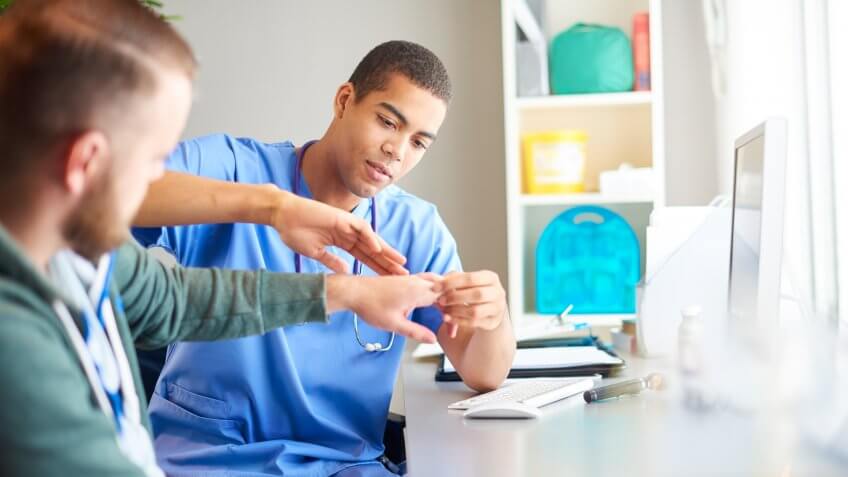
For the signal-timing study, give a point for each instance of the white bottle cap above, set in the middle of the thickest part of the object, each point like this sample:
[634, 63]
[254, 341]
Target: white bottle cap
[691, 311]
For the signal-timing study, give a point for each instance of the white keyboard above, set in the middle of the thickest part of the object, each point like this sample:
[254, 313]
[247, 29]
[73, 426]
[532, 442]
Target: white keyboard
[530, 392]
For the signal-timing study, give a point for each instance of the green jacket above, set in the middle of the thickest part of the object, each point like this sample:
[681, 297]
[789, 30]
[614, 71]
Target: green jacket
[50, 423]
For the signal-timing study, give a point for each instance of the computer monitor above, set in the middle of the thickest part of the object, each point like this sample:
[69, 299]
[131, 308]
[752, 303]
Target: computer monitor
[756, 246]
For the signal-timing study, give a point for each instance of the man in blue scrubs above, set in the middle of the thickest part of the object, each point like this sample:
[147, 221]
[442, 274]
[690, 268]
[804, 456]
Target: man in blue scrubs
[313, 400]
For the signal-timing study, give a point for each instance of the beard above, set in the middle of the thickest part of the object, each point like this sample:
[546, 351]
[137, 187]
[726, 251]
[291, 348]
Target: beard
[95, 227]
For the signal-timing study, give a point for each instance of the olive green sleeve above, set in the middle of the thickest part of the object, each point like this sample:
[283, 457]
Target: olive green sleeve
[164, 304]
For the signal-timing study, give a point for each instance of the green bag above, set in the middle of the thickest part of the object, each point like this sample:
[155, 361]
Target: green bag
[591, 59]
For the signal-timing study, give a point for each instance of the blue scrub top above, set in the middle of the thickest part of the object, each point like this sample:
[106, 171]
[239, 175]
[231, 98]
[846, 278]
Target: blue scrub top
[305, 400]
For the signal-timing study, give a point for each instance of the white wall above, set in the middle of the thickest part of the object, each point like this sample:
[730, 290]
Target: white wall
[838, 19]
[764, 78]
[269, 70]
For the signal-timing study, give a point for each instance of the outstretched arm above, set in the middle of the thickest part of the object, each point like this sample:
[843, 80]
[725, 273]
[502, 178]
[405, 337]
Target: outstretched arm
[308, 227]
[164, 305]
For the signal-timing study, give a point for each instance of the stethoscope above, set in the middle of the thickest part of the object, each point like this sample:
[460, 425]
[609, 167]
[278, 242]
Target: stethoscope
[357, 266]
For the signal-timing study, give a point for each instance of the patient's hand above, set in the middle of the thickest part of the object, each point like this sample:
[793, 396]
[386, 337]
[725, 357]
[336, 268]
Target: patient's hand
[308, 227]
[385, 302]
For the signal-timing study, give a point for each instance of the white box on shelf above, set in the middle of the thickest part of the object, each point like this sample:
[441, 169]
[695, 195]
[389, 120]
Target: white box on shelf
[628, 180]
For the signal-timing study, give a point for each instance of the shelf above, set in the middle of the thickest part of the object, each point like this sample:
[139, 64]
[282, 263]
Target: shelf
[620, 127]
[584, 198]
[560, 101]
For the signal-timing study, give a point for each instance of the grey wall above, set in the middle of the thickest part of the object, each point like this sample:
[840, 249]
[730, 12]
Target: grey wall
[269, 70]
[689, 107]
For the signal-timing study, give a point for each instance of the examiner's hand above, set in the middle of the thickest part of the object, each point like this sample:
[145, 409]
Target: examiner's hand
[473, 300]
[385, 302]
[308, 227]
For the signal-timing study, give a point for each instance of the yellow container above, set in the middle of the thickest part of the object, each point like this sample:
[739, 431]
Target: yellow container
[554, 161]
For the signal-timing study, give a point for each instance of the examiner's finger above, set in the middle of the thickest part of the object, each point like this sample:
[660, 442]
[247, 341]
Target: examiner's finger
[461, 280]
[470, 296]
[471, 312]
[452, 330]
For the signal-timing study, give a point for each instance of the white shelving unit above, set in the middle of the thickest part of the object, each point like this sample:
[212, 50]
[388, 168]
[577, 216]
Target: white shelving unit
[622, 127]
[634, 98]
[584, 198]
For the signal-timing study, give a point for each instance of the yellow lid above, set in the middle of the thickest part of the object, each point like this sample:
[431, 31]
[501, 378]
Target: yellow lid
[560, 135]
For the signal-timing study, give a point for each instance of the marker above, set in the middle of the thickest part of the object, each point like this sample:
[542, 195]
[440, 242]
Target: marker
[632, 386]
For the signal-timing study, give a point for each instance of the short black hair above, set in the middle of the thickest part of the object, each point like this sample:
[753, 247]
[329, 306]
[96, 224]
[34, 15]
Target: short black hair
[416, 63]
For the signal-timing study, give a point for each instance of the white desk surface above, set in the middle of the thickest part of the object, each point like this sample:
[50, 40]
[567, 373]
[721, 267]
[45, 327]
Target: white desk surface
[647, 435]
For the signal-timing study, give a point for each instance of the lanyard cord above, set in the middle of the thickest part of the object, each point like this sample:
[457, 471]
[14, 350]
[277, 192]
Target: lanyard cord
[117, 403]
[84, 357]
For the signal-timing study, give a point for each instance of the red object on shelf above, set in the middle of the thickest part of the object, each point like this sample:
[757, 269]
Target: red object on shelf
[641, 52]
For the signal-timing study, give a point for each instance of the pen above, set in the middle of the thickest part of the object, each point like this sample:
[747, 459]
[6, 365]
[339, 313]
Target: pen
[569, 326]
[631, 386]
[565, 313]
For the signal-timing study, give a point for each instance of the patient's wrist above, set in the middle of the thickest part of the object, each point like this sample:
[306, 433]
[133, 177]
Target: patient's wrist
[342, 291]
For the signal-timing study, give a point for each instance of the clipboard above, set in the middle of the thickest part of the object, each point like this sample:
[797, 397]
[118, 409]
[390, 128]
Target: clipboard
[604, 369]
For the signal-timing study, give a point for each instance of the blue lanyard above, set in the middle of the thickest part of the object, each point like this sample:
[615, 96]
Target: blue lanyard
[298, 170]
[96, 329]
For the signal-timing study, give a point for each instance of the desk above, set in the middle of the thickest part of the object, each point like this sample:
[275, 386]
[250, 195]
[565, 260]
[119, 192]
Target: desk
[650, 434]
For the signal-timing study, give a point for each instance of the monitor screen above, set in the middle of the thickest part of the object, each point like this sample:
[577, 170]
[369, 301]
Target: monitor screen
[746, 228]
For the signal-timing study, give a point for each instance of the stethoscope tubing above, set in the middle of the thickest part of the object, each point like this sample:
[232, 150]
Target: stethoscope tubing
[357, 266]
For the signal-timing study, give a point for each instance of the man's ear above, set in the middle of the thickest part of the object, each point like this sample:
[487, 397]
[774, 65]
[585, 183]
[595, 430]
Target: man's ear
[87, 156]
[345, 96]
